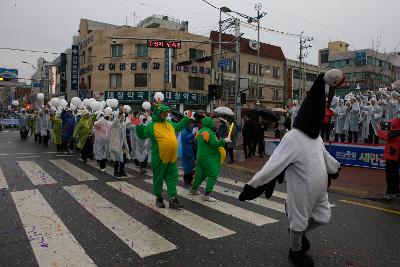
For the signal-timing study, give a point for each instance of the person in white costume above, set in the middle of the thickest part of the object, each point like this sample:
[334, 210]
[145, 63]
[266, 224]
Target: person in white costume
[303, 160]
[102, 129]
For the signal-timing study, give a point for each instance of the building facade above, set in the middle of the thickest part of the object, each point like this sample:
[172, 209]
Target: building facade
[116, 62]
[271, 77]
[296, 81]
[364, 69]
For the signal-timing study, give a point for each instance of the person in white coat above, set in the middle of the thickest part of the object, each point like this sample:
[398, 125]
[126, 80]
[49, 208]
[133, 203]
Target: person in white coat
[43, 125]
[364, 119]
[308, 167]
[374, 117]
[340, 117]
[23, 125]
[293, 111]
[119, 151]
[140, 148]
[352, 120]
[101, 144]
[384, 104]
[393, 106]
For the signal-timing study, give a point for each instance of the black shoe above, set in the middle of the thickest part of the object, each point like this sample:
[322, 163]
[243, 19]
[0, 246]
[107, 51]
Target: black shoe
[117, 174]
[124, 174]
[300, 259]
[305, 244]
[174, 204]
[160, 202]
[84, 160]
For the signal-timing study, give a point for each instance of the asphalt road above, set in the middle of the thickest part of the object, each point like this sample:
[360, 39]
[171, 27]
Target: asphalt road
[57, 211]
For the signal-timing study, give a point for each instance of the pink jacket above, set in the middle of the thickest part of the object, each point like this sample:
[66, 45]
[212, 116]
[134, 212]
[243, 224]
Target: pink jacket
[102, 129]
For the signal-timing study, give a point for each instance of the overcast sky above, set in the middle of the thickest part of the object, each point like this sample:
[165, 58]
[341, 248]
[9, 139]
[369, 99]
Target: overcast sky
[49, 25]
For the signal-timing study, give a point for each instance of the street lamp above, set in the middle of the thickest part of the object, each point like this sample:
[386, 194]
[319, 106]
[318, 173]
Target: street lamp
[24, 62]
[225, 10]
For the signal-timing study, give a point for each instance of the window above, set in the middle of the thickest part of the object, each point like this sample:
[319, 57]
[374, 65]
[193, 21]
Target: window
[195, 53]
[83, 57]
[311, 76]
[173, 81]
[275, 95]
[252, 68]
[89, 82]
[116, 50]
[260, 93]
[115, 80]
[140, 79]
[296, 75]
[276, 72]
[89, 54]
[231, 65]
[142, 50]
[196, 83]
[324, 56]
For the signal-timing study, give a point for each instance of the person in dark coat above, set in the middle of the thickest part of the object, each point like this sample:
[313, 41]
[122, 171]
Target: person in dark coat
[248, 132]
[68, 126]
[259, 138]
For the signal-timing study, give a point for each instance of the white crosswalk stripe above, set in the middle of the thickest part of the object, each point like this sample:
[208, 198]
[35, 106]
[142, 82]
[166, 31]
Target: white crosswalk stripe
[3, 182]
[73, 170]
[51, 241]
[226, 208]
[137, 236]
[35, 173]
[186, 218]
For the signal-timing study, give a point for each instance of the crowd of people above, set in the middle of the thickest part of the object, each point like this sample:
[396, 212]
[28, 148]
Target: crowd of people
[356, 118]
[115, 134]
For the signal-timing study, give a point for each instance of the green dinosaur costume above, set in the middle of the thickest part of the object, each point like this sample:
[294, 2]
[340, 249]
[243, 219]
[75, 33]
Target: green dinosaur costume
[210, 155]
[57, 123]
[83, 130]
[164, 149]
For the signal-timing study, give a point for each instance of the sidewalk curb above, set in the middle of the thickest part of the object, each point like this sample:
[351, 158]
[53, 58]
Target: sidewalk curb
[240, 168]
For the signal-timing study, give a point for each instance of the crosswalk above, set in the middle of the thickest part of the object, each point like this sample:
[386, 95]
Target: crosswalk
[55, 243]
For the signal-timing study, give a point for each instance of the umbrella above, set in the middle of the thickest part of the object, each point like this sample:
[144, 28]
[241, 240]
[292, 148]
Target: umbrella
[176, 116]
[266, 114]
[224, 111]
[279, 110]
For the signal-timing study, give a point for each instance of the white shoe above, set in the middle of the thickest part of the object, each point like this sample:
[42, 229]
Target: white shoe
[208, 198]
[65, 153]
[194, 192]
[104, 170]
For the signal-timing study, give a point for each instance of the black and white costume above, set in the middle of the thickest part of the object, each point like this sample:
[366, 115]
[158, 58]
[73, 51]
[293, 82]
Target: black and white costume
[303, 160]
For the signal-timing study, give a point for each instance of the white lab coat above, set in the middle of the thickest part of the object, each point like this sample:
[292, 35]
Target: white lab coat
[307, 163]
[394, 109]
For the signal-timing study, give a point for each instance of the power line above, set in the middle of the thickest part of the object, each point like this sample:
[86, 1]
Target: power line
[27, 50]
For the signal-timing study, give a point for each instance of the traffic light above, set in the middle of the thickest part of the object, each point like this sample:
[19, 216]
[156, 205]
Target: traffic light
[218, 91]
[243, 98]
[212, 92]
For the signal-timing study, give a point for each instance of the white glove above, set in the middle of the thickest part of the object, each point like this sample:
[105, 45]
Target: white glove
[227, 140]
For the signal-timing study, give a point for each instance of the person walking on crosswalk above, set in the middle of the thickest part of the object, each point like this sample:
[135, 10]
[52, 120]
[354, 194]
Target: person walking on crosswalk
[308, 177]
[83, 132]
[57, 129]
[68, 126]
[209, 158]
[119, 150]
[164, 151]
[101, 140]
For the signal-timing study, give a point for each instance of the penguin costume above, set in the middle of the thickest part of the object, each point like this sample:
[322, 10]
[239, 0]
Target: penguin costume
[302, 159]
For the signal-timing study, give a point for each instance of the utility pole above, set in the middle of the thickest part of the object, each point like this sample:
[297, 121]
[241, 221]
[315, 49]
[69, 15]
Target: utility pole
[304, 46]
[237, 91]
[258, 7]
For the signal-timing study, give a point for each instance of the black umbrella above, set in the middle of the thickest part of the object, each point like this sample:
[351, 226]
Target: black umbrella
[176, 116]
[266, 114]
